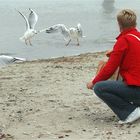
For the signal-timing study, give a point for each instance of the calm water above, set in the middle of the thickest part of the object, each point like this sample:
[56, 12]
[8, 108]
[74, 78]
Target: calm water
[97, 18]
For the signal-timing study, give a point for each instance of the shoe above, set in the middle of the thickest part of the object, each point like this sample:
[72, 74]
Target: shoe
[132, 117]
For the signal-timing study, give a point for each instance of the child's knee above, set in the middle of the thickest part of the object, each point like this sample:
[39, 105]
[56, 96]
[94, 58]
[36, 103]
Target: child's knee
[98, 87]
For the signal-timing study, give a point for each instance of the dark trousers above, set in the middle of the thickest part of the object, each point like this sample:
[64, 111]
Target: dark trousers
[121, 98]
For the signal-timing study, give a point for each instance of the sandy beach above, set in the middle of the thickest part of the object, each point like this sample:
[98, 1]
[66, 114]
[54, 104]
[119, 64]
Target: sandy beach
[48, 100]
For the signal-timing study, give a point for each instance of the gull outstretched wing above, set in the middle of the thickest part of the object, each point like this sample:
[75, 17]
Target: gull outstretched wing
[33, 18]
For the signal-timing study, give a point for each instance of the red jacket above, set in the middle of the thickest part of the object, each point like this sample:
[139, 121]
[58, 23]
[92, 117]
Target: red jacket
[126, 55]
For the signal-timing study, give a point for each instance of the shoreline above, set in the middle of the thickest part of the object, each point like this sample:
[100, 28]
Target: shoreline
[48, 99]
[68, 57]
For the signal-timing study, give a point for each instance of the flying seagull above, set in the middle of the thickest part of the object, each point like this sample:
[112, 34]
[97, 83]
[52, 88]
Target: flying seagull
[30, 25]
[69, 34]
[5, 59]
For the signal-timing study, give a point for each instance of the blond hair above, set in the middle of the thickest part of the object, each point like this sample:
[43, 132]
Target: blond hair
[127, 18]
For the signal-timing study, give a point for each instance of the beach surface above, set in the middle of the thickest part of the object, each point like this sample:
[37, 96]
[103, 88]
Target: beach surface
[48, 100]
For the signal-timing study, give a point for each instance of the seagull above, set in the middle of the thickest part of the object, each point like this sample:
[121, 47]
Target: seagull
[30, 25]
[69, 34]
[5, 59]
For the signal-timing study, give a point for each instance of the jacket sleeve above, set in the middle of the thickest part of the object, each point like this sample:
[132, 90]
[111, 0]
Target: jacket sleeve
[114, 61]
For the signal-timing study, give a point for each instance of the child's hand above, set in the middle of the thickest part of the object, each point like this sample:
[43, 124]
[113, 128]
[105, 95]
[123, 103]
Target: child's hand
[108, 53]
[90, 85]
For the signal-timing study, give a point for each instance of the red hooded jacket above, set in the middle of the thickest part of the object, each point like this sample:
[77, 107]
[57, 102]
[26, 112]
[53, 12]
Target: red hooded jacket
[126, 55]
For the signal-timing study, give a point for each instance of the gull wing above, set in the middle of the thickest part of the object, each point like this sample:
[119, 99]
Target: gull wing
[54, 29]
[65, 31]
[26, 20]
[59, 28]
[33, 17]
[5, 59]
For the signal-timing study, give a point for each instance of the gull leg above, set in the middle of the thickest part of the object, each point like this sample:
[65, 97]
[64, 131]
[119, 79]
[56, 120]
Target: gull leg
[68, 42]
[26, 43]
[30, 42]
[78, 42]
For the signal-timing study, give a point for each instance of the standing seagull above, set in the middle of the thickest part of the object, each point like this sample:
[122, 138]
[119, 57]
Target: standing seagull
[69, 34]
[5, 59]
[30, 25]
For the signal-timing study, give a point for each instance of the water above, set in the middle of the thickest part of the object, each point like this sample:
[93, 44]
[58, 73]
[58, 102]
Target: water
[97, 17]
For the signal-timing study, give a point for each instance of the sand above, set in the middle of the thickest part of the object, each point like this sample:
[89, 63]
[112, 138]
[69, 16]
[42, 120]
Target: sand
[48, 100]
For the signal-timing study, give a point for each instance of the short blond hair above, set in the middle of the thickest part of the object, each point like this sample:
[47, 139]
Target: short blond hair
[127, 18]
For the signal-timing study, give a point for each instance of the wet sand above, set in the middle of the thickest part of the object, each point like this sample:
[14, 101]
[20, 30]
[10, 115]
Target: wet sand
[48, 99]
